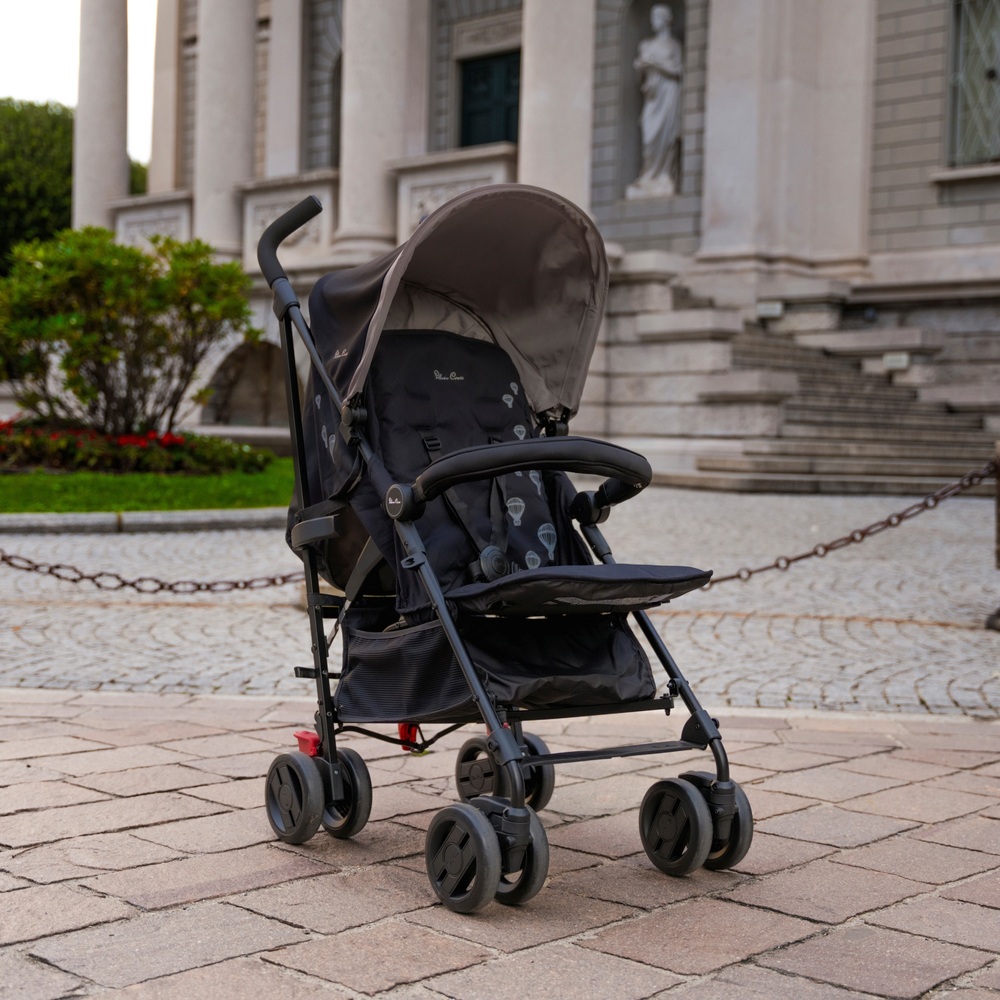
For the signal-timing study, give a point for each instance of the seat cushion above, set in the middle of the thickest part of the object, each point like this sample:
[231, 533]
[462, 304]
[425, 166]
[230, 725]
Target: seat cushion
[566, 590]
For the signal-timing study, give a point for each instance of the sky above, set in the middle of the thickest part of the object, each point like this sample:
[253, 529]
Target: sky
[39, 59]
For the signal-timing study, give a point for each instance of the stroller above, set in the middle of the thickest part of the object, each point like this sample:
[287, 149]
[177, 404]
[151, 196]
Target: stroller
[431, 454]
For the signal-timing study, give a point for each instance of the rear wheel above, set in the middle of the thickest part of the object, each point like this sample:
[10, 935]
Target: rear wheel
[539, 779]
[519, 886]
[675, 826]
[293, 797]
[349, 815]
[477, 773]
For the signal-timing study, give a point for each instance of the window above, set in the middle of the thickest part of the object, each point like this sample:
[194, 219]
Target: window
[975, 134]
[490, 89]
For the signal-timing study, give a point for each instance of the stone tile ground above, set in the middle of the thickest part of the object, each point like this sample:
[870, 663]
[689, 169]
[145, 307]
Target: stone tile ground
[162, 880]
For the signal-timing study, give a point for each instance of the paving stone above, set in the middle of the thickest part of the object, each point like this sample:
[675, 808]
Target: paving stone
[944, 920]
[831, 783]
[117, 759]
[24, 978]
[639, 884]
[159, 944]
[243, 765]
[377, 842]
[30, 795]
[25, 829]
[8, 883]
[783, 758]
[988, 978]
[222, 745]
[876, 960]
[769, 853]
[919, 860]
[609, 837]
[329, 904]
[976, 782]
[83, 856]
[24, 749]
[919, 803]
[890, 765]
[822, 890]
[406, 954]
[145, 780]
[16, 772]
[827, 824]
[556, 972]
[765, 804]
[51, 909]
[551, 915]
[748, 982]
[950, 758]
[984, 891]
[151, 732]
[205, 876]
[242, 793]
[235, 979]
[210, 834]
[599, 797]
[699, 935]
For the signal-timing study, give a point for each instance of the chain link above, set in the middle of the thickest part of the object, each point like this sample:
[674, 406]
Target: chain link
[107, 580]
[858, 535]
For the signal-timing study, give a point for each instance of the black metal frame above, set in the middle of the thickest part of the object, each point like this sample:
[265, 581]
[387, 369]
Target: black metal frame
[503, 724]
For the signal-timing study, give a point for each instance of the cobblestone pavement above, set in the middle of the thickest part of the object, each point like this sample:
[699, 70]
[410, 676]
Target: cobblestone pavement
[892, 624]
[136, 859]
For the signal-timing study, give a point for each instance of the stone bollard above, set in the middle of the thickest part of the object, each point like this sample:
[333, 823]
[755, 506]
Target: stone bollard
[993, 621]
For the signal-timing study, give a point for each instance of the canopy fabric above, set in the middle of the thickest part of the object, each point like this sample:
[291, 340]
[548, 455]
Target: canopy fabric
[517, 264]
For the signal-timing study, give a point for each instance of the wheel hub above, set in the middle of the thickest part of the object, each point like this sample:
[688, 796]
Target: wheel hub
[285, 798]
[453, 859]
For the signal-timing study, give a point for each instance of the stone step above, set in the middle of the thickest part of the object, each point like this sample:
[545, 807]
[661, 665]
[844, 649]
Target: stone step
[815, 364]
[869, 402]
[835, 485]
[874, 341]
[973, 452]
[689, 324]
[856, 385]
[833, 417]
[880, 432]
[847, 466]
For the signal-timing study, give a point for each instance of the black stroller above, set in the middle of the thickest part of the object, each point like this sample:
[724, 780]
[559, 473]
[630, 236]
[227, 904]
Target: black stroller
[431, 453]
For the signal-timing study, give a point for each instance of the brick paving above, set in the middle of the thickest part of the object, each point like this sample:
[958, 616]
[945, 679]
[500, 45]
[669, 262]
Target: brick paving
[158, 876]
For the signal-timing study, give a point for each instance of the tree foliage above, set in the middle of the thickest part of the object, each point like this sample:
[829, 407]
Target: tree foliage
[36, 172]
[100, 335]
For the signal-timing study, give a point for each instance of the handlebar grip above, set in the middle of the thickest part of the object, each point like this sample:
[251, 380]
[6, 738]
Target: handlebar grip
[283, 227]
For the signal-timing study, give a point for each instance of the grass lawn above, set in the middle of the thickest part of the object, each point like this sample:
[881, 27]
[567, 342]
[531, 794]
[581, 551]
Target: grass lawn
[59, 492]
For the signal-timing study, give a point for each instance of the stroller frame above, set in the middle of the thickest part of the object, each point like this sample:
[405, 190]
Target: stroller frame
[700, 819]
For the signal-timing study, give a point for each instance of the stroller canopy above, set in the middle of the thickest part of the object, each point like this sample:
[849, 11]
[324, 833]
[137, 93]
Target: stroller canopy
[510, 263]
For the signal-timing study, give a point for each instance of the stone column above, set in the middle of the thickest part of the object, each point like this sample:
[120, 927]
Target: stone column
[555, 120]
[224, 120]
[283, 126]
[373, 126]
[100, 125]
[162, 176]
[787, 125]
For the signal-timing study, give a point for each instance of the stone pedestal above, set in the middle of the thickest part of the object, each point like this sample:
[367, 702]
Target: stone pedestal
[224, 120]
[100, 125]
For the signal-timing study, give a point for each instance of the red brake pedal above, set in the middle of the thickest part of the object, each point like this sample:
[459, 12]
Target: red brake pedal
[308, 742]
[409, 733]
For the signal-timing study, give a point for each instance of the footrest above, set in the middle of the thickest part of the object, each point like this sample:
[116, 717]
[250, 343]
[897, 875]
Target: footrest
[314, 531]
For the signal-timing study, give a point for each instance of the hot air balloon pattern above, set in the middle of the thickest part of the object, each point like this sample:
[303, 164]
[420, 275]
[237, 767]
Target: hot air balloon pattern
[547, 536]
[513, 388]
[536, 477]
[508, 399]
[520, 432]
[515, 507]
[532, 560]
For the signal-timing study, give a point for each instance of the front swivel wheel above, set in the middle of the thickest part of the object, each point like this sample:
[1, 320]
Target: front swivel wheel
[675, 826]
[347, 816]
[293, 797]
[463, 858]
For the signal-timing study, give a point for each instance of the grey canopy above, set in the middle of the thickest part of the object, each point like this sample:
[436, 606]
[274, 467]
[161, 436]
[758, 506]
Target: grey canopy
[513, 264]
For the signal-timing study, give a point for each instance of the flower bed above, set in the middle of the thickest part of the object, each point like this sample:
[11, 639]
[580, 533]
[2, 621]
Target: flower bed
[24, 446]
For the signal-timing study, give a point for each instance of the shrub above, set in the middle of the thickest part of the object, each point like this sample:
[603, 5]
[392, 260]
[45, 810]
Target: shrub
[24, 446]
[108, 337]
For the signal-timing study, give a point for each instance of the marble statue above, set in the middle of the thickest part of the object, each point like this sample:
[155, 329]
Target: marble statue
[660, 63]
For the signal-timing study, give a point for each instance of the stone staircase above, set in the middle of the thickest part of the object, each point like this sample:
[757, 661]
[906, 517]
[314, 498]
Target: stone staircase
[719, 402]
[839, 430]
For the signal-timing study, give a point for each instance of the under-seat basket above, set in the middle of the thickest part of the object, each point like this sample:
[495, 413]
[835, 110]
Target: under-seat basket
[411, 675]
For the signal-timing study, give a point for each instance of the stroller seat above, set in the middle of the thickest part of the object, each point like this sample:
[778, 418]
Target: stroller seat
[503, 543]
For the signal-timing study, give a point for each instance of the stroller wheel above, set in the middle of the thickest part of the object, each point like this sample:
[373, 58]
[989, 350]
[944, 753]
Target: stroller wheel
[476, 773]
[675, 826]
[732, 851]
[539, 779]
[463, 858]
[347, 817]
[293, 795]
[520, 886]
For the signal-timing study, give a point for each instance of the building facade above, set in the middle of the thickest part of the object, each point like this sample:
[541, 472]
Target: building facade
[824, 174]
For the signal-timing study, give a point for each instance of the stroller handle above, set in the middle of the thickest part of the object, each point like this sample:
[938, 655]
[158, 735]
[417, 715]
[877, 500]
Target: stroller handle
[630, 472]
[283, 227]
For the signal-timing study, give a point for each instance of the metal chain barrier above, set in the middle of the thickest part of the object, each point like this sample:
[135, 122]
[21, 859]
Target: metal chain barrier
[151, 585]
[856, 537]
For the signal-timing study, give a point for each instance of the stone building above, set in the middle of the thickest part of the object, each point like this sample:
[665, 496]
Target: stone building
[800, 198]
